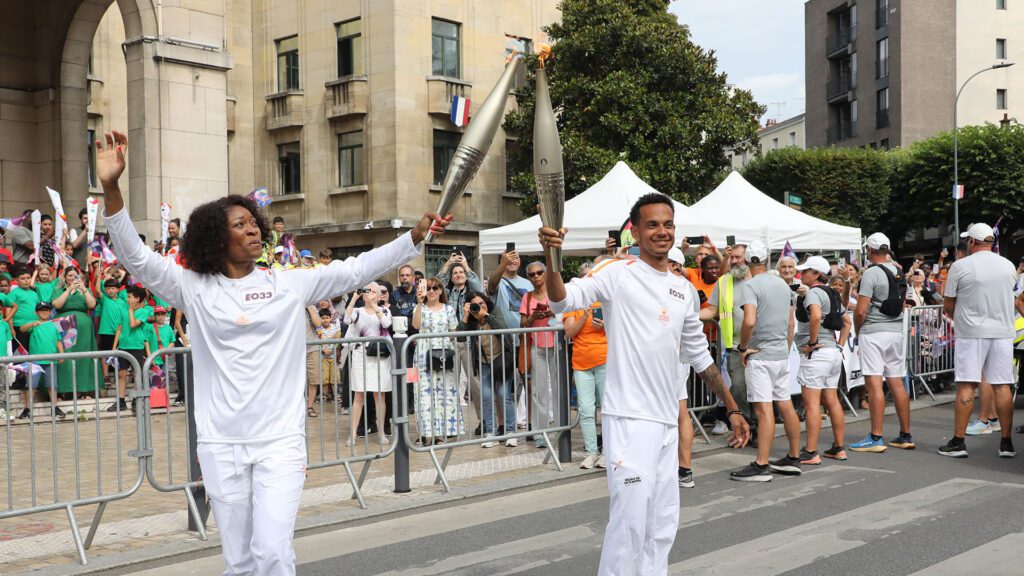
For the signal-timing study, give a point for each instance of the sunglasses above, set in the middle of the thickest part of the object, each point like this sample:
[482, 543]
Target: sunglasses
[535, 274]
[433, 288]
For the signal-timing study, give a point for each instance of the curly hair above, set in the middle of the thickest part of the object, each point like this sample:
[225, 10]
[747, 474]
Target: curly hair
[204, 244]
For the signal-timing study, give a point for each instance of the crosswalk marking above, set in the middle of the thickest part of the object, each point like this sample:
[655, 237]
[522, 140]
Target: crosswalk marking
[801, 545]
[989, 558]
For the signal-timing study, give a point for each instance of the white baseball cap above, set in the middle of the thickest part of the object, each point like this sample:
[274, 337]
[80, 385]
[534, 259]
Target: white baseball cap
[756, 252]
[816, 263]
[279, 250]
[879, 241]
[676, 255]
[979, 232]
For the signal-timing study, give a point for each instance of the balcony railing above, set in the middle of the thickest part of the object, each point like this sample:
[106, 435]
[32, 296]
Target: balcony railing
[882, 118]
[837, 42]
[838, 88]
[843, 131]
[441, 90]
[881, 68]
[347, 96]
[285, 110]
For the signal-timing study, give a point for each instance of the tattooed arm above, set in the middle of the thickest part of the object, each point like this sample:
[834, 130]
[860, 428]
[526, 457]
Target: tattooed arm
[740, 429]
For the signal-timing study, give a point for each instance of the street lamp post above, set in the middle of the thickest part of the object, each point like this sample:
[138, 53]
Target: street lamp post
[956, 173]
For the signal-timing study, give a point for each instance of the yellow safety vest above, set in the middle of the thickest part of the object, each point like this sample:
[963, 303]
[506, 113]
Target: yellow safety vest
[725, 320]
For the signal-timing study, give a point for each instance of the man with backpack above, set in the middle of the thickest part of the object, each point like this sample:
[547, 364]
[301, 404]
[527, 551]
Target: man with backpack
[878, 319]
[819, 315]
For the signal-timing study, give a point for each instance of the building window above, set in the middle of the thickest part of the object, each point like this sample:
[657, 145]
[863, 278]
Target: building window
[351, 163]
[91, 134]
[346, 252]
[882, 58]
[882, 108]
[445, 48]
[792, 138]
[288, 64]
[1001, 99]
[884, 144]
[1000, 4]
[289, 159]
[350, 48]
[1000, 48]
[775, 143]
[445, 144]
[523, 46]
[881, 13]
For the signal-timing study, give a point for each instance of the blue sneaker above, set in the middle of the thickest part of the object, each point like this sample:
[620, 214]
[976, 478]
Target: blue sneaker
[977, 428]
[869, 445]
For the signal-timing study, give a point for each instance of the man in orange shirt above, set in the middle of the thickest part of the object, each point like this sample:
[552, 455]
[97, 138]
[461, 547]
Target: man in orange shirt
[589, 353]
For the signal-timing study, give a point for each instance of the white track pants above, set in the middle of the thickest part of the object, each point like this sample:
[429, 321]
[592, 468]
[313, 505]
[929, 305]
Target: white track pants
[643, 488]
[255, 490]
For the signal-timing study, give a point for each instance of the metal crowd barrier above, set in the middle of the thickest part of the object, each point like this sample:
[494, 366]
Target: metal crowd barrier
[701, 398]
[930, 344]
[62, 438]
[443, 420]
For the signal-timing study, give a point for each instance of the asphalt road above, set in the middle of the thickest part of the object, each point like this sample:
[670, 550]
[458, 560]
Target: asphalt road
[896, 513]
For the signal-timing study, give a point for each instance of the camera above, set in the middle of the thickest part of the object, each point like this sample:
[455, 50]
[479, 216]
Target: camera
[363, 291]
[474, 308]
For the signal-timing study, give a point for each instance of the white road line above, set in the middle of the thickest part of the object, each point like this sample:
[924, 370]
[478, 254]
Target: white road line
[801, 545]
[519, 547]
[992, 558]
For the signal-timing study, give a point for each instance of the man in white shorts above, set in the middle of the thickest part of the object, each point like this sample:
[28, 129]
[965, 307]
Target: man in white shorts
[765, 340]
[821, 359]
[882, 347]
[979, 297]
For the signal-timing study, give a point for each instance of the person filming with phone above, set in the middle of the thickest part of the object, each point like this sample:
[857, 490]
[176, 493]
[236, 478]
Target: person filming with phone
[534, 312]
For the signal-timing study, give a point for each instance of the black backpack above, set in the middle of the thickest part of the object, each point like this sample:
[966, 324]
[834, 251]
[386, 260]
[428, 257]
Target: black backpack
[831, 321]
[892, 306]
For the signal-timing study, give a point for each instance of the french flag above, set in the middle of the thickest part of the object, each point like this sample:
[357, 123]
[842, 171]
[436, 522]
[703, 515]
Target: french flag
[460, 111]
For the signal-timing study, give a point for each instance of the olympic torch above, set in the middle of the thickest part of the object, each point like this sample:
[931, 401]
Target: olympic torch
[547, 160]
[476, 140]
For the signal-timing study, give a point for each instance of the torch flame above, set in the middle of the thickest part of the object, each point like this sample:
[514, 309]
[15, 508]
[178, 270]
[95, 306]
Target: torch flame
[543, 53]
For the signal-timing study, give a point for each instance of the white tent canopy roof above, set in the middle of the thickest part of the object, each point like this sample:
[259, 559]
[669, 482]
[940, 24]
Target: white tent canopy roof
[737, 208]
[589, 216]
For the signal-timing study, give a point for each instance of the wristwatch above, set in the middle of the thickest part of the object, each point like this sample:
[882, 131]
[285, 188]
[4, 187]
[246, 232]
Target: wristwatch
[741, 349]
[815, 343]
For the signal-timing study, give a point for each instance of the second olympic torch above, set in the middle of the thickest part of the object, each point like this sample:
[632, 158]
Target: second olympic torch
[476, 140]
[547, 162]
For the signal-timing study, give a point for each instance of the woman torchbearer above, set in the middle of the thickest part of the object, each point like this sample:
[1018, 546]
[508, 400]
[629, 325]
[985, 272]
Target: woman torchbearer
[248, 347]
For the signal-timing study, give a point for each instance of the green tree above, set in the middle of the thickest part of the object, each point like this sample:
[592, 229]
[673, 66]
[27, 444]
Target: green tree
[991, 167]
[849, 186]
[628, 84]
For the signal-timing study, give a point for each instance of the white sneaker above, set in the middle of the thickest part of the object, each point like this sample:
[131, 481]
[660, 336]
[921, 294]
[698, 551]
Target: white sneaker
[384, 440]
[511, 443]
[977, 428]
[995, 425]
[589, 461]
[600, 462]
[720, 428]
[489, 443]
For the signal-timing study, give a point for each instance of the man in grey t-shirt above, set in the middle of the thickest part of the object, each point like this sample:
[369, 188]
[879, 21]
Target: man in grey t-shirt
[979, 297]
[765, 339]
[882, 347]
[22, 246]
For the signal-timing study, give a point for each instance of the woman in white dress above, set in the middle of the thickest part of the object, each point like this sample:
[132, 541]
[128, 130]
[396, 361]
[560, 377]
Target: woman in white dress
[438, 414]
[246, 326]
[369, 363]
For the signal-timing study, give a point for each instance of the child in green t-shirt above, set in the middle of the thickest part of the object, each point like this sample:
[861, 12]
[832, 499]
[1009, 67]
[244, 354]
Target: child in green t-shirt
[22, 300]
[110, 309]
[44, 282]
[162, 335]
[44, 338]
[131, 337]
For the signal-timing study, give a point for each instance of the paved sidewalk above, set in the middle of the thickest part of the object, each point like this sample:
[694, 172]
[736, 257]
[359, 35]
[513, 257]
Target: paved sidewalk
[150, 526]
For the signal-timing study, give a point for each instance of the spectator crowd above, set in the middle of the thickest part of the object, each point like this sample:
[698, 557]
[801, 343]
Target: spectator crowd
[785, 335]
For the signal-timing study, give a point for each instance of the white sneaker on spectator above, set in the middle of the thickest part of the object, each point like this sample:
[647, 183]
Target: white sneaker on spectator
[384, 440]
[977, 428]
[995, 425]
[600, 462]
[589, 461]
[720, 428]
[489, 443]
[511, 443]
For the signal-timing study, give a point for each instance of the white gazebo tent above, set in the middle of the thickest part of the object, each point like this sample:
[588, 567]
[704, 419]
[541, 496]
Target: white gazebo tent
[589, 216]
[737, 208]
